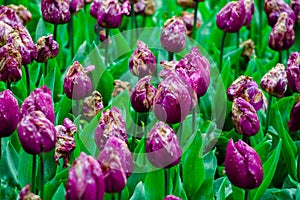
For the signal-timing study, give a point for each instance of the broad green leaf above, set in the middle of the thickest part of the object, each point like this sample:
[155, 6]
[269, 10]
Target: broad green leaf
[25, 169]
[155, 181]
[263, 149]
[220, 190]
[52, 185]
[139, 192]
[238, 193]
[60, 193]
[62, 108]
[122, 102]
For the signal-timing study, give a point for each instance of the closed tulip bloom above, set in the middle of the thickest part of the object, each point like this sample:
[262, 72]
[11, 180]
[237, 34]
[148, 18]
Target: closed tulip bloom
[282, 36]
[186, 3]
[77, 84]
[244, 117]
[294, 124]
[9, 113]
[172, 197]
[274, 8]
[39, 100]
[188, 20]
[36, 133]
[10, 64]
[56, 11]
[231, 17]
[25, 194]
[9, 16]
[22, 12]
[85, 181]
[111, 124]
[47, 48]
[295, 5]
[293, 71]
[92, 105]
[142, 61]
[76, 5]
[275, 81]
[249, 8]
[173, 36]
[162, 146]
[243, 166]
[144, 7]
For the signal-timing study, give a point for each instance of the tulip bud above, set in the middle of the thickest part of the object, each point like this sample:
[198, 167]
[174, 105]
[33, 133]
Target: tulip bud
[162, 146]
[9, 113]
[282, 36]
[275, 81]
[172, 197]
[195, 69]
[39, 100]
[186, 3]
[9, 16]
[274, 8]
[76, 5]
[92, 105]
[249, 10]
[244, 117]
[295, 5]
[36, 133]
[77, 84]
[65, 142]
[10, 64]
[173, 36]
[22, 12]
[243, 166]
[56, 11]
[111, 124]
[142, 61]
[188, 20]
[142, 95]
[294, 124]
[25, 194]
[86, 181]
[46, 48]
[293, 71]
[144, 7]
[232, 16]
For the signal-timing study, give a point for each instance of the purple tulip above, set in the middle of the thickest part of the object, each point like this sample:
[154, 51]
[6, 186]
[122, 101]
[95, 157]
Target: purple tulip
[195, 69]
[5, 31]
[76, 5]
[282, 36]
[92, 105]
[77, 84]
[9, 16]
[22, 12]
[188, 20]
[186, 3]
[39, 100]
[10, 64]
[143, 95]
[162, 146]
[243, 166]
[142, 61]
[111, 124]
[173, 36]
[172, 197]
[36, 133]
[295, 5]
[244, 117]
[86, 181]
[274, 8]
[249, 9]
[56, 11]
[294, 124]
[293, 71]
[9, 113]
[275, 81]
[144, 7]
[25, 194]
[46, 48]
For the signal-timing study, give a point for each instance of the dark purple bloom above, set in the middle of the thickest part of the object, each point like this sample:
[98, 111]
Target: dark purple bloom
[46, 48]
[172, 197]
[56, 11]
[76, 5]
[249, 9]
[282, 36]
[86, 181]
[188, 19]
[5, 30]
[275, 81]
[9, 113]
[293, 71]
[36, 133]
[295, 5]
[25, 194]
[10, 64]
[294, 124]
[243, 166]
[142, 61]
[144, 7]
[173, 36]
[77, 84]
[92, 105]
[162, 146]
[186, 3]
[39, 100]
[9, 16]
[22, 12]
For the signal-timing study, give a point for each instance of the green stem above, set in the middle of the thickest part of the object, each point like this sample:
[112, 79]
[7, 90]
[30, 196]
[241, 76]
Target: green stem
[46, 69]
[247, 194]
[42, 176]
[27, 79]
[260, 2]
[0, 147]
[170, 56]
[119, 195]
[71, 36]
[55, 32]
[77, 109]
[268, 114]
[222, 50]
[280, 57]
[237, 46]
[167, 183]
[8, 85]
[106, 46]
[33, 173]
[132, 15]
[193, 119]
[246, 139]
[195, 20]
[133, 141]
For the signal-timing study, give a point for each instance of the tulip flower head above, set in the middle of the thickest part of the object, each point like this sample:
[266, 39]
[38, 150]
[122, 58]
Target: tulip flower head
[293, 71]
[92, 105]
[188, 20]
[46, 48]
[294, 124]
[295, 5]
[25, 194]
[172, 197]
[56, 11]
[144, 7]
[22, 12]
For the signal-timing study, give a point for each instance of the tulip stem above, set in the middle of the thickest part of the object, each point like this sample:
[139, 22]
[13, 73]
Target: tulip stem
[42, 176]
[237, 62]
[0, 147]
[280, 57]
[260, 22]
[27, 79]
[133, 141]
[167, 177]
[247, 195]
[195, 20]
[8, 85]
[106, 46]
[33, 173]
[46, 69]
[222, 50]
[55, 32]
[71, 36]
[170, 56]
[193, 120]
[268, 114]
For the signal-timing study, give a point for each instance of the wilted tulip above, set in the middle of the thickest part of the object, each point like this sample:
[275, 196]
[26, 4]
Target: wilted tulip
[111, 124]
[173, 36]
[76, 5]
[9, 113]
[243, 166]
[274, 8]
[295, 5]
[5, 31]
[162, 146]
[9, 16]
[142, 61]
[282, 36]
[36, 133]
[120, 86]
[86, 181]
[195, 69]
[293, 71]
[244, 117]
[188, 19]
[39, 100]
[56, 11]
[142, 95]
[144, 7]
[275, 81]
[92, 105]
[65, 141]
[10, 64]
[25, 194]
[249, 10]
[77, 84]
[186, 3]
[22, 12]
[46, 48]
[232, 16]
[172, 197]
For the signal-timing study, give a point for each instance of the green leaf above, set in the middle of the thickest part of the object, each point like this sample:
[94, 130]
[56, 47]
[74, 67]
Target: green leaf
[238, 193]
[52, 186]
[60, 193]
[263, 149]
[139, 192]
[62, 108]
[220, 189]
[25, 170]
[155, 181]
